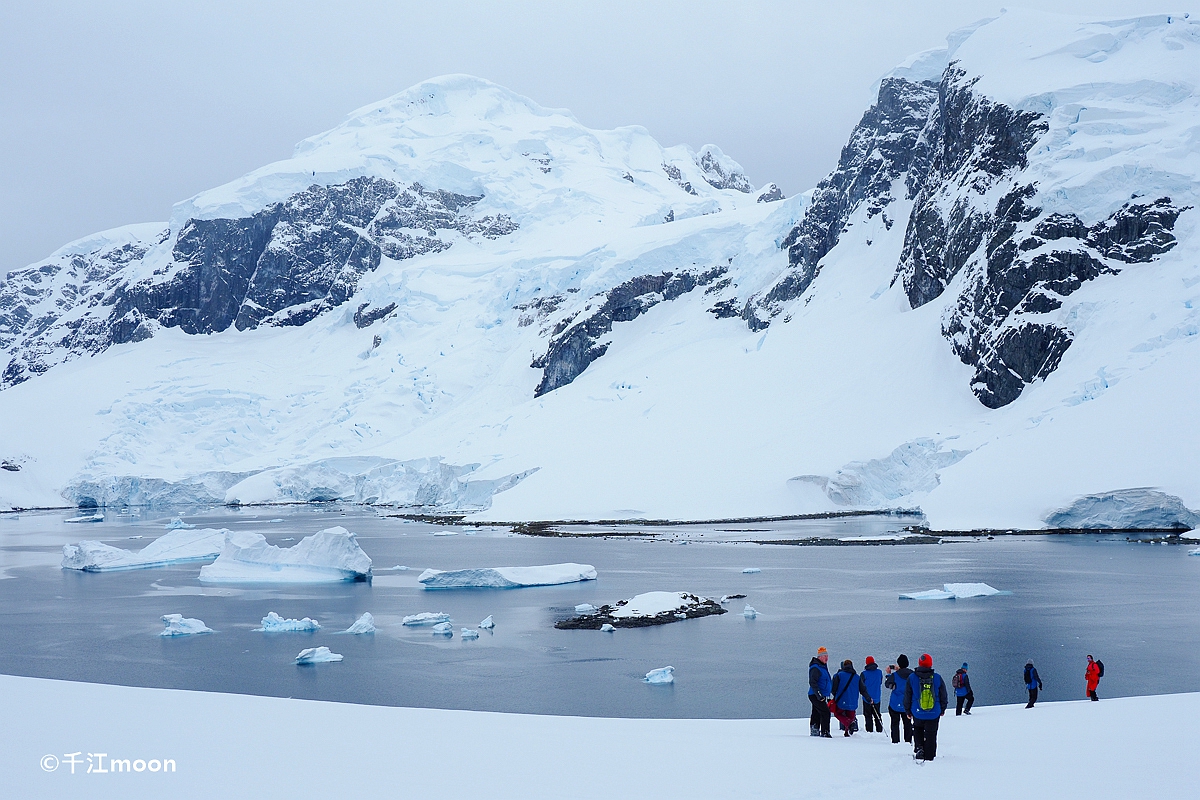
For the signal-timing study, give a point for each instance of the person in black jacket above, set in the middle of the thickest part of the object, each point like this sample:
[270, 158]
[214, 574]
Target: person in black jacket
[1032, 682]
[962, 691]
[897, 680]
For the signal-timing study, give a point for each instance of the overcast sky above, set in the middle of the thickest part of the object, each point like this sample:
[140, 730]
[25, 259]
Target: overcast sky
[111, 112]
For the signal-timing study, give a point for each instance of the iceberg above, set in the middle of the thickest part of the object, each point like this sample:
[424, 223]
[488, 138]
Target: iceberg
[443, 629]
[607, 628]
[650, 608]
[750, 570]
[273, 623]
[586, 608]
[951, 591]
[1126, 509]
[177, 524]
[749, 613]
[487, 624]
[364, 624]
[1195, 552]
[179, 625]
[660, 676]
[317, 655]
[175, 547]
[329, 556]
[468, 634]
[428, 618]
[507, 577]
[86, 518]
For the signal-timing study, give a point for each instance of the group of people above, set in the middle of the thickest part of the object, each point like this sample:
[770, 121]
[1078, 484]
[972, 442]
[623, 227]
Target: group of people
[917, 702]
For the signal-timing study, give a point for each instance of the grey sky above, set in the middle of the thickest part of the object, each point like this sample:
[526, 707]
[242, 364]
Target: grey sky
[112, 112]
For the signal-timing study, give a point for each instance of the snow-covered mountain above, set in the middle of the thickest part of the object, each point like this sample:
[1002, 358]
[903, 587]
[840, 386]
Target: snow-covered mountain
[460, 299]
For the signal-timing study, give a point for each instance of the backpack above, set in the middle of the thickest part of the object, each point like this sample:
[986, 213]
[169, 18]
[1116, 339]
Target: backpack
[926, 702]
[956, 681]
[1100, 664]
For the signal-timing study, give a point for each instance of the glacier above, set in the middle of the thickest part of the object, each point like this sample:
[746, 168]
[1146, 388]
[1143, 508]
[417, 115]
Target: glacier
[1126, 509]
[329, 556]
[507, 577]
[176, 547]
[458, 300]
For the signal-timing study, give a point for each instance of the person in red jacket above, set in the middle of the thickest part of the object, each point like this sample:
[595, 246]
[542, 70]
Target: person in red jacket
[1093, 678]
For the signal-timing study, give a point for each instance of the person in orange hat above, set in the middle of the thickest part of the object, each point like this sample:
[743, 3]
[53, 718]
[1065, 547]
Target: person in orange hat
[820, 692]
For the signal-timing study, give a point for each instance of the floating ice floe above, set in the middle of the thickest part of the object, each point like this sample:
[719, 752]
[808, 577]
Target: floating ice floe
[273, 623]
[750, 570]
[749, 613]
[427, 618]
[397, 568]
[330, 556]
[1195, 552]
[660, 676]
[317, 655]
[586, 608]
[507, 577]
[607, 628]
[86, 518]
[951, 591]
[443, 629]
[175, 547]
[179, 625]
[650, 608]
[274, 521]
[725, 598]
[468, 634]
[487, 624]
[177, 524]
[364, 624]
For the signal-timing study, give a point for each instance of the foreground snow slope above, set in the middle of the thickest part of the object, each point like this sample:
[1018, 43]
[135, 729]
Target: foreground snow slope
[231, 746]
[460, 300]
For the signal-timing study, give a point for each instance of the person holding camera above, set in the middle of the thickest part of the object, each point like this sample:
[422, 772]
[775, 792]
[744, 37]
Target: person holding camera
[896, 680]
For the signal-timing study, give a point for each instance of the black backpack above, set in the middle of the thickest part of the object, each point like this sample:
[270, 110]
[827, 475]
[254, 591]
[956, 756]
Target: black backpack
[1100, 664]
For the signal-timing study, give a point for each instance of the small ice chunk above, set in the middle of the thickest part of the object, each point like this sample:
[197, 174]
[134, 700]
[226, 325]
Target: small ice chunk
[750, 570]
[179, 625]
[364, 624]
[468, 634]
[273, 623]
[487, 623]
[932, 594]
[586, 608]
[749, 613]
[680, 615]
[607, 628]
[426, 618]
[507, 577]
[443, 629]
[317, 655]
[177, 524]
[660, 676]
[274, 521]
[397, 568]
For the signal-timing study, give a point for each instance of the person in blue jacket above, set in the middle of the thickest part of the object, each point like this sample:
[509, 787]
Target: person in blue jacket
[962, 692]
[1032, 682]
[871, 685]
[846, 689]
[925, 701]
[820, 690]
[897, 681]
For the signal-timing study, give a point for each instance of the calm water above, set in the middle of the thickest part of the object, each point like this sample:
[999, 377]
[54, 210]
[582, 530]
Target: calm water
[1133, 605]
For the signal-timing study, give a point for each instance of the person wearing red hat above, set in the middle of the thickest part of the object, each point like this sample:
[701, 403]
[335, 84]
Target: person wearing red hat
[871, 684]
[925, 701]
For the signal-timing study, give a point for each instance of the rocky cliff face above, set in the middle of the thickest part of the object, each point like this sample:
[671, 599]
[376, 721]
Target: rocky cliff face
[281, 266]
[962, 159]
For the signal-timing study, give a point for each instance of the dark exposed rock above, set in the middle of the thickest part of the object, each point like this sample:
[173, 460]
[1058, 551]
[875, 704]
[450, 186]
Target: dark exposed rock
[282, 266]
[364, 318]
[11, 466]
[676, 175]
[719, 177]
[770, 194]
[576, 344]
[697, 607]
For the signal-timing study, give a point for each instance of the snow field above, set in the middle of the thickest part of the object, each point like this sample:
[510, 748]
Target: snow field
[1074, 749]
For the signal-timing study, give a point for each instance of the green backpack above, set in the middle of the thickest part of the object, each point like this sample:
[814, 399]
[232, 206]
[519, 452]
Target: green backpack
[926, 702]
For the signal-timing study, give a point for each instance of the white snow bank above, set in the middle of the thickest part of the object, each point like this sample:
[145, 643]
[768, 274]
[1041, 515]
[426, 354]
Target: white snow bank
[507, 577]
[1125, 509]
[660, 676]
[273, 623]
[443, 629]
[749, 612]
[171, 548]
[487, 623]
[586, 608]
[177, 524]
[329, 556]
[910, 468]
[468, 634]
[951, 591]
[651, 604]
[179, 625]
[317, 655]
[364, 624]
[429, 618]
